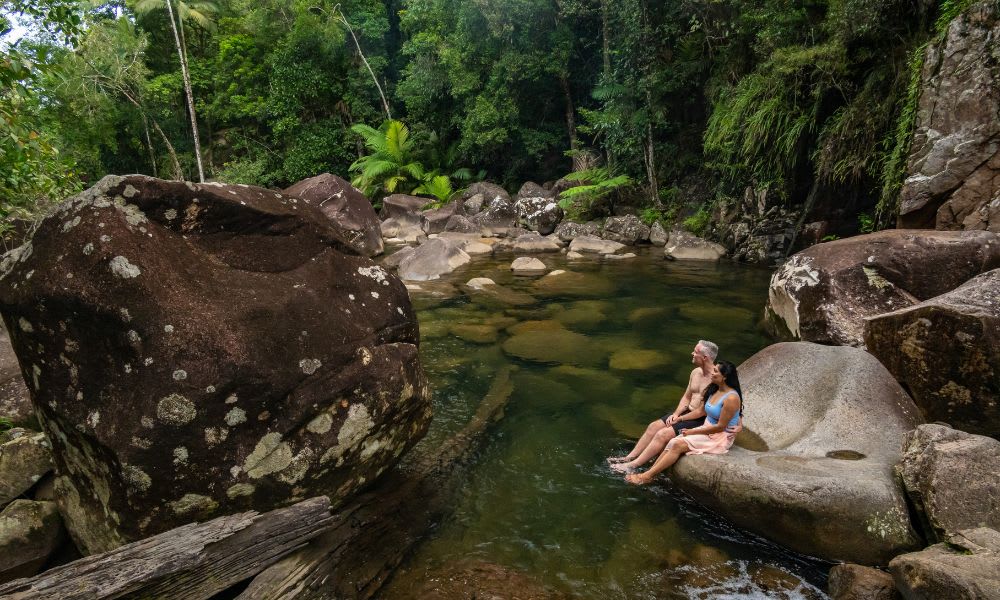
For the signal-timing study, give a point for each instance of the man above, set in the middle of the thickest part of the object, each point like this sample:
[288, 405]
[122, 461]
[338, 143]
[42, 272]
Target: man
[690, 412]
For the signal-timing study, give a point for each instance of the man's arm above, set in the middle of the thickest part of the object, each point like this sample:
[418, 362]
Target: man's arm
[684, 402]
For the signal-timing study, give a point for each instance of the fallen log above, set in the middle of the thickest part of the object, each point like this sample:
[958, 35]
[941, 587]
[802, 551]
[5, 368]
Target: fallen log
[374, 532]
[192, 562]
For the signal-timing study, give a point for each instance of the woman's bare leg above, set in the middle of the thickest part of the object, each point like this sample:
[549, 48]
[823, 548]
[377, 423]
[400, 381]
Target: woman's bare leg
[666, 460]
[660, 440]
[647, 436]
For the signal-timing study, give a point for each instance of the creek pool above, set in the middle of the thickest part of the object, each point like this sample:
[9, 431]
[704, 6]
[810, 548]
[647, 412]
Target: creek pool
[592, 363]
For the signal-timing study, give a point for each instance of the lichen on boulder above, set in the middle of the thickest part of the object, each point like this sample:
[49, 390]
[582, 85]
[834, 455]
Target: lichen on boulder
[199, 349]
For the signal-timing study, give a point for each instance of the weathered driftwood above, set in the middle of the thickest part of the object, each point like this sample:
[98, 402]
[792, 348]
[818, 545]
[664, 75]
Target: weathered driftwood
[373, 532]
[193, 561]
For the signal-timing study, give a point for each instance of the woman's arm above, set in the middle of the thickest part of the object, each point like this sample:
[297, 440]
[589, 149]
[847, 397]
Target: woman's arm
[730, 406]
[694, 414]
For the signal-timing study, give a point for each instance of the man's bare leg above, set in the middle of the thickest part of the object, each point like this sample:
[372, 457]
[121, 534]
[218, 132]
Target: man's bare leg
[666, 460]
[647, 437]
[660, 440]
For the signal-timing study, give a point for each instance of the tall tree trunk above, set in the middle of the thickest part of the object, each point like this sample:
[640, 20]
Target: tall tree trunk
[182, 54]
[385, 103]
[654, 188]
[149, 144]
[178, 172]
[574, 144]
[606, 44]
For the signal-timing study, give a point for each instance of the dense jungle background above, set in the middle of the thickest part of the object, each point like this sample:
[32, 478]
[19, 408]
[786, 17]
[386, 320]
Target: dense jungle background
[679, 107]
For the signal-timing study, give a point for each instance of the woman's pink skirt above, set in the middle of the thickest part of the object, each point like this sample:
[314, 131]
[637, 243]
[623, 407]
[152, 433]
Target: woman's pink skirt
[715, 443]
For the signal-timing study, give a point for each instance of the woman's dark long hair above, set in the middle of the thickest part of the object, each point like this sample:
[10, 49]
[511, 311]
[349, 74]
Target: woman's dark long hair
[728, 371]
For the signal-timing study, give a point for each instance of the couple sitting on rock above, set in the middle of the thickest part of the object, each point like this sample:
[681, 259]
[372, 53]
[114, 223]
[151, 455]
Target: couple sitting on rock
[706, 420]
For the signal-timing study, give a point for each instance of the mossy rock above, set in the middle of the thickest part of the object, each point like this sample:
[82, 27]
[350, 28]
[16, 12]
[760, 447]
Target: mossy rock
[716, 314]
[475, 334]
[529, 326]
[557, 346]
[647, 314]
[625, 424]
[573, 284]
[638, 360]
[662, 398]
[595, 381]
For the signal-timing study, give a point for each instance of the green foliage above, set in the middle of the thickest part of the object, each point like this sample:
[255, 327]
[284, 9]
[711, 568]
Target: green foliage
[438, 186]
[866, 223]
[830, 238]
[391, 166]
[596, 183]
[698, 222]
[5, 424]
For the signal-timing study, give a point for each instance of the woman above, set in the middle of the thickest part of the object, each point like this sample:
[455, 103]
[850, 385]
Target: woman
[723, 420]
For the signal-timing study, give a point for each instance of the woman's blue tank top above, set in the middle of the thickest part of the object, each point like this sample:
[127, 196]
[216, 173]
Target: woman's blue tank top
[714, 411]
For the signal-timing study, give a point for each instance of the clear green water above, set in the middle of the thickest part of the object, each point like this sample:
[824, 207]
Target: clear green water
[540, 498]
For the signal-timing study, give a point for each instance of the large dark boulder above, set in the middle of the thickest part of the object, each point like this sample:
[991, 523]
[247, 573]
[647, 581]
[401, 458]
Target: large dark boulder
[813, 468]
[497, 214]
[965, 567]
[403, 208]
[434, 220]
[203, 349]
[490, 192]
[854, 582]
[530, 189]
[952, 479]
[946, 351]
[628, 230]
[346, 206]
[824, 293]
[955, 153]
[538, 213]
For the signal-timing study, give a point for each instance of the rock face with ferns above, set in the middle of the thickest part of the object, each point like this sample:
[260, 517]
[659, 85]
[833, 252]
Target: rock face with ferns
[194, 350]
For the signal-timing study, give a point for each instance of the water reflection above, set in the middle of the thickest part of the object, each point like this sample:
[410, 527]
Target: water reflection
[599, 353]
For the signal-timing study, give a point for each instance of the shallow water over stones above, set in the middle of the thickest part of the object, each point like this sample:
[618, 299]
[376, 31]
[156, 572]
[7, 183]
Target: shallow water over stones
[601, 350]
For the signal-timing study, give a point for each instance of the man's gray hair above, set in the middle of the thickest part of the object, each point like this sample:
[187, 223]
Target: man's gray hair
[708, 349]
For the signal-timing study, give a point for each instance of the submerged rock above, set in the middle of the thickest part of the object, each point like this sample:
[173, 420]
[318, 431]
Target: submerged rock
[828, 423]
[824, 293]
[467, 580]
[967, 565]
[573, 284]
[556, 346]
[946, 351]
[346, 206]
[260, 358]
[527, 265]
[30, 532]
[951, 479]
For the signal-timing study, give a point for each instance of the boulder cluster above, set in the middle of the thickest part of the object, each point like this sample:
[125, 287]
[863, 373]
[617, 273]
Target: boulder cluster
[878, 430]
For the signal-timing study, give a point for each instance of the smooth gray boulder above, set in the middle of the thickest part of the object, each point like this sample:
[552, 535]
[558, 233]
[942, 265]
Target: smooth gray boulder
[658, 236]
[952, 479]
[946, 351]
[532, 242]
[461, 224]
[473, 204]
[685, 246]
[489, 191]
[403, 207]
[965, 567]
[588, 244]
[435, 220]
[24, 460]
[527, 265]
[30, 532]
[823, 431]
[431, 260]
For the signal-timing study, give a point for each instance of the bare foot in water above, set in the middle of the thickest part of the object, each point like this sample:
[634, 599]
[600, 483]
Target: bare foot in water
[618, 459]
[622, 467]
[638, 478]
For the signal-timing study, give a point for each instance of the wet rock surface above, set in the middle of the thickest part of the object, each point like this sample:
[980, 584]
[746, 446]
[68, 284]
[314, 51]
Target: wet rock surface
[954, 162]
[951, 479]
[30, 532]
[685, 246]
[204, 349]
[946, 351]
[816, 481]
[472, 580]
[346, 206]
[824, 293]
[854, 582]
[967, 565]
